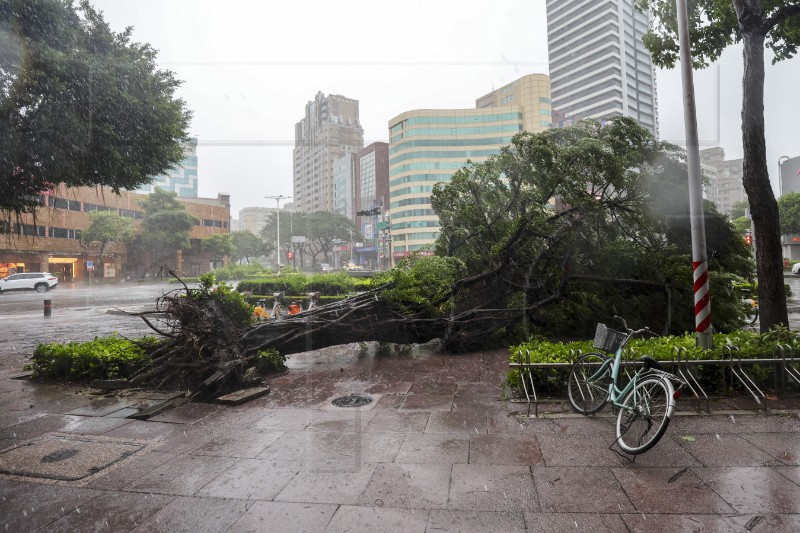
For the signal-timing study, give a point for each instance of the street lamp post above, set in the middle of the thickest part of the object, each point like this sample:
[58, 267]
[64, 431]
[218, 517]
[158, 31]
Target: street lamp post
[278, 199]
[781, 160]
[702, 294]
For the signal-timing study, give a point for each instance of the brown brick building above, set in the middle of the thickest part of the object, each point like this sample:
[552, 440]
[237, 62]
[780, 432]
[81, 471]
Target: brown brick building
[50, 240]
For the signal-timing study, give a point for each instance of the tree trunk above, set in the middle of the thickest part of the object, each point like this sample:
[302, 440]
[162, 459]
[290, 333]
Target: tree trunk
[763, 206]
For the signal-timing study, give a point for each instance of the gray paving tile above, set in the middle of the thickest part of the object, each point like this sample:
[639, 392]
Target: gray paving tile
[251, 479]
[446, 521]
[344, 486]
[493, 488]
[669, 490]
[195, 515]
[552, 522]
[436, 448]
[753, 490]
[408, 486]
[600, 492]
[291, 517]
[348, 519]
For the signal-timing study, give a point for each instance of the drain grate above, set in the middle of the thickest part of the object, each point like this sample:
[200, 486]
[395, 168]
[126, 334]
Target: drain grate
[353, 400]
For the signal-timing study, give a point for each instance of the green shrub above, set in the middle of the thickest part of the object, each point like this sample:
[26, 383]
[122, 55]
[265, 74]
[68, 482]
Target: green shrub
[333, 284]
[750, 345]
[234, 303]
[269, 361]
[232, 271]
[103, 358]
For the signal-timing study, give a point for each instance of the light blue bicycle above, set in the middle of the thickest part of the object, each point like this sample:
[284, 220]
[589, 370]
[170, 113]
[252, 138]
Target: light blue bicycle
[645, 404]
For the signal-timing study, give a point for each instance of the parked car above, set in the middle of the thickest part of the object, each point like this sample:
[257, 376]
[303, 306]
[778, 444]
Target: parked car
[323, 267]
[796, 268]
[39, 281]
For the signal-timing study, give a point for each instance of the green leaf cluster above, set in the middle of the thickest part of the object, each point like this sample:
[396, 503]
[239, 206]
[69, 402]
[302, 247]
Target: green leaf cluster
[421, 285]
[577, 224]
[80, 104]
[269, 361]
[234, 303]
[328, 284]
[102, 358]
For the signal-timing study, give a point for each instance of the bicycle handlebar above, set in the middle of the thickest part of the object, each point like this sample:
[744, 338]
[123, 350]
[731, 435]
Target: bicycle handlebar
[631, 332]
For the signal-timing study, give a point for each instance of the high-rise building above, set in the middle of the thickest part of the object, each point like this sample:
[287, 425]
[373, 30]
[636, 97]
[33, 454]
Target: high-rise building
[329, 130]
[426, 146]
[372, 194]
[344, 185]
[725, 186]
[789, 174]
[599, 67]
[182, 178]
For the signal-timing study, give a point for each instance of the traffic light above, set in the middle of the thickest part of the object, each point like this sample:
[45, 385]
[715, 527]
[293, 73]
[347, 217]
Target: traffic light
[748, 239]
[289, 255]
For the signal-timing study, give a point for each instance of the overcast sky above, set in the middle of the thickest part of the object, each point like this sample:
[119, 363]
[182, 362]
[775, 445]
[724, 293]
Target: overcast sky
[249, 68]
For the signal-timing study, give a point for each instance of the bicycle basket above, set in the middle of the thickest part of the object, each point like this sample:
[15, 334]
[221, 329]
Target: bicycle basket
[607, 339]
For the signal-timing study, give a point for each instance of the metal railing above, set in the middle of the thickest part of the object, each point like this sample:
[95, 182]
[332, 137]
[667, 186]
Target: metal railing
[783, 360]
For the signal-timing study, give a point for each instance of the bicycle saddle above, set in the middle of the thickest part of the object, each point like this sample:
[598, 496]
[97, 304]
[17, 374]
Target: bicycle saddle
[649, 362]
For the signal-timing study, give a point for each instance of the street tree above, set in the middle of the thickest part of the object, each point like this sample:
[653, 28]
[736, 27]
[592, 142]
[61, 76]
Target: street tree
[715, 25]
[561, 230]
[789, 208]
[593, 218]
[80, 104]
[328, 230]
[742, 225]
[739, 209]
[105, 227]
[219, 246]
[247, 244]
[165, 227]
[293, 224]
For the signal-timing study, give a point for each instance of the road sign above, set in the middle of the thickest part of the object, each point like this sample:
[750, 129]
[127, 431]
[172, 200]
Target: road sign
[383, 225]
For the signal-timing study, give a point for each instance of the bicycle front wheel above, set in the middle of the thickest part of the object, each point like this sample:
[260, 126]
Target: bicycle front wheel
[645, 415]
[587, 389]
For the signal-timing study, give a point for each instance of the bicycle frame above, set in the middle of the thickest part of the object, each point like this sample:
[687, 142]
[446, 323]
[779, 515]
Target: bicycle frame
[615, 394]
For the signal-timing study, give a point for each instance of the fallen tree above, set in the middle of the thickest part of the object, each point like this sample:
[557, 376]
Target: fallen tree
[561, 230]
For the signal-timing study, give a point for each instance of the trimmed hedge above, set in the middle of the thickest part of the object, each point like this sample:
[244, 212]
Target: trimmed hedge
[102, 358]
[337, 284]
[751, 345]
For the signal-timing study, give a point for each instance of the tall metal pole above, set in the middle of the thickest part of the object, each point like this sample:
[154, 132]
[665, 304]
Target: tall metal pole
[278, 199]
[702, 295]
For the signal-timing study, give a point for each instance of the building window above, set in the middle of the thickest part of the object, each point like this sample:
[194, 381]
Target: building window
[130, 213]
[63, 233]
[29, 230]
[63, 203]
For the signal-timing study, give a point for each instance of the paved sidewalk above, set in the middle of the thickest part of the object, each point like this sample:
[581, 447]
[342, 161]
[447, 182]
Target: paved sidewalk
[438, 449]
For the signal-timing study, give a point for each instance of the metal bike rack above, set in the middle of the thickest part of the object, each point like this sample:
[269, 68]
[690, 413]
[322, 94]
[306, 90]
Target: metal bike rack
[788, 367]
[680, 354]
[526, 370]
[783, 358]
[742, 376]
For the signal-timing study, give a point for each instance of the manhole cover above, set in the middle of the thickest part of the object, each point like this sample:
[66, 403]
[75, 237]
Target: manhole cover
[64, 458]
[353, 400]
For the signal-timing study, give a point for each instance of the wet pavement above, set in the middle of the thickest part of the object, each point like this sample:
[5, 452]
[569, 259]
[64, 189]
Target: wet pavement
[437, 449]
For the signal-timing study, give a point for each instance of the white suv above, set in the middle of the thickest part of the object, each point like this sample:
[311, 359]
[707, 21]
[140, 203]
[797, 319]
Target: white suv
[40, 281]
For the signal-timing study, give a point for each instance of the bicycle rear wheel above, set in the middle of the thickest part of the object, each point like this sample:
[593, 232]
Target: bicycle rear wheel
[645, 415]
[589, 393]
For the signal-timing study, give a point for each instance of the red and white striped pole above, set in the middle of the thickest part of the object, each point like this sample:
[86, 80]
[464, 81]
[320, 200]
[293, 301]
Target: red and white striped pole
[702, 295]
[702, 298]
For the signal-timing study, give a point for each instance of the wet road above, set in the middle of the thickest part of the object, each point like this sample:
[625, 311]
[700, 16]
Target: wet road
[79, 313]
